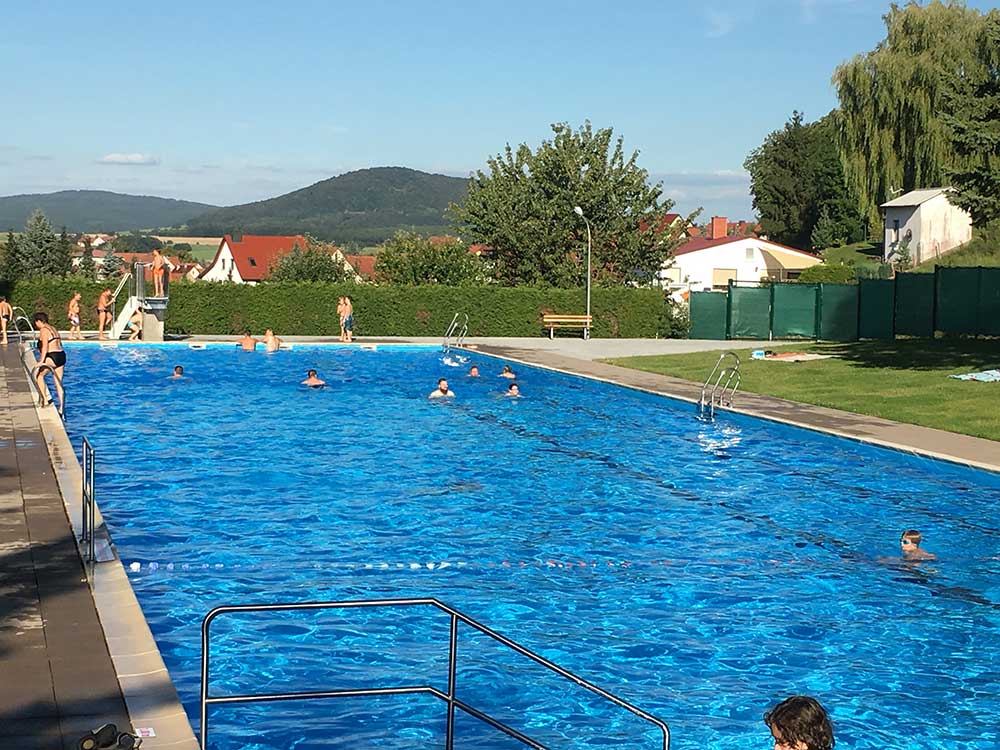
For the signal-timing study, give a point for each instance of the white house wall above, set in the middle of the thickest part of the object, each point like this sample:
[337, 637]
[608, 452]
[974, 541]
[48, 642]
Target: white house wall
[936, 226]
[744, 256]
[224, 268]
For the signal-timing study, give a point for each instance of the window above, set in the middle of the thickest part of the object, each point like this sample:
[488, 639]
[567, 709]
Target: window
[252, 262]
[749, 255]
[895, 231]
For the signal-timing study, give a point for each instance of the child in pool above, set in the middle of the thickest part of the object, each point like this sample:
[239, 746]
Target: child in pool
[800, 723]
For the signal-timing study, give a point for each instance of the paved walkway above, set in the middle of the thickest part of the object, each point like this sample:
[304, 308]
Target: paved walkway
[56, 677]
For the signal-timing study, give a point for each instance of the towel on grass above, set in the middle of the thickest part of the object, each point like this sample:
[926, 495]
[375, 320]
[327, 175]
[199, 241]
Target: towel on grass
[986, 376]
[787, 356]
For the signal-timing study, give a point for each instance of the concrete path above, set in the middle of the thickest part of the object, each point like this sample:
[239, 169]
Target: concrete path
[56, 676]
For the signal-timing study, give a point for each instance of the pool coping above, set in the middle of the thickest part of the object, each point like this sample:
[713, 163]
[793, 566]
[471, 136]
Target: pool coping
[966, 450]
[150, 696]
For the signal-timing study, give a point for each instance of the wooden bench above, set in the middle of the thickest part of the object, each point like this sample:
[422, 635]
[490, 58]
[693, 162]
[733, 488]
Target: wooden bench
[552, 321]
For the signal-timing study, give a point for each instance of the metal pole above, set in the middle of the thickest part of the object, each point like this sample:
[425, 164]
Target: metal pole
[83, 492]
[586, 331]
[90, 501]
[452, 651]
[203, 729]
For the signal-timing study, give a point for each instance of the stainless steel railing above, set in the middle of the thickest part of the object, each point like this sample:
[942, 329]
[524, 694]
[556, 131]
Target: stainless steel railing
[458, 328]
[449, 697]
[88, 513]
[18, 315]
[727, 382]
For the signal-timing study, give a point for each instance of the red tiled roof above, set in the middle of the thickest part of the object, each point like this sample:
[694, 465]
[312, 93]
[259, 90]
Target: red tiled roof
[363, 265]
[254, 254]
[695, 244]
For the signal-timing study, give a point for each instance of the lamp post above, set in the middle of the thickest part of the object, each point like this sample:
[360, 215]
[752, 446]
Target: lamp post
[579, 212]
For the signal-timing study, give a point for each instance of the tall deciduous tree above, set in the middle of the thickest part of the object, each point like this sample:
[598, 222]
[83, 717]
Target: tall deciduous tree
[411, 259]
[974, 124]
[522, 208]
[314, 262]
[890, 130]
[796, 179]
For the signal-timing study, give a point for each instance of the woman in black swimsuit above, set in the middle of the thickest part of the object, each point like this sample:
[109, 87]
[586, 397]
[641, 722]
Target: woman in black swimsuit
[51, 356]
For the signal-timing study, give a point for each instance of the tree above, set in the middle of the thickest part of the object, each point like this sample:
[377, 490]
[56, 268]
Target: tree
[827, 273]
[60, 259]
[315, 262]
[136, 243]
[796, 175]
[974, 124]
[410, 259]
[890, 131]
[87, 268]
[37, 247]
[10, 269]
[827, 232]
[522, 208]
[112, 267]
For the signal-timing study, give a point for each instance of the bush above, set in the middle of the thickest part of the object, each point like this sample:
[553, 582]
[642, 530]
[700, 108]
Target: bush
[311, 308]
[827, 273]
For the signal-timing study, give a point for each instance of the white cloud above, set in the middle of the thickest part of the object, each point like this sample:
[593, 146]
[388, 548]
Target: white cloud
[720, 23]
[129, 160]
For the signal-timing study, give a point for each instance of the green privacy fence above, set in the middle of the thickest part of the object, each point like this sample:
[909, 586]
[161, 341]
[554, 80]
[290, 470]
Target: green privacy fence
[953, 300]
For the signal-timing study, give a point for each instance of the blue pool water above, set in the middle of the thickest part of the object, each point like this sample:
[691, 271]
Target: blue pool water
[701, 571]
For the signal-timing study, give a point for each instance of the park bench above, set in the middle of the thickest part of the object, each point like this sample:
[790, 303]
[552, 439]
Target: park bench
[552, 321]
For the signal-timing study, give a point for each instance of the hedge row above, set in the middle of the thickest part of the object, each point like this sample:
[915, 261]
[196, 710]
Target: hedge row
[311, 309]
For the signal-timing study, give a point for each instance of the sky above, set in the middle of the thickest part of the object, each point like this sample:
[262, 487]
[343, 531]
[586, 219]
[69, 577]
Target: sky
[229, 102]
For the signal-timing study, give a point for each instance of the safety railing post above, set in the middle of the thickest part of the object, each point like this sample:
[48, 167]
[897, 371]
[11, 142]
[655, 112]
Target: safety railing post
[452, 653]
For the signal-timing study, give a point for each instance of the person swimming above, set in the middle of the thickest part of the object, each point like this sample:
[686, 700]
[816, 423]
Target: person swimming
[248, 343]
[506, 372]
[442, 390]
[312, 380]
[513, 391]
[473, 372]
[909, 545]
[178, 373]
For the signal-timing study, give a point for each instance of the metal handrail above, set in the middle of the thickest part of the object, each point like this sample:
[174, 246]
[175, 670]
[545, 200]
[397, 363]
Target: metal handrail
[732, 378]
[459, 326]
[449, 697]
[126, 277]
[87, 495]
[17, 328]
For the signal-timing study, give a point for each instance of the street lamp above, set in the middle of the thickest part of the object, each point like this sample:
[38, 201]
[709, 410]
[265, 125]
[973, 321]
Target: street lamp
[579, 212]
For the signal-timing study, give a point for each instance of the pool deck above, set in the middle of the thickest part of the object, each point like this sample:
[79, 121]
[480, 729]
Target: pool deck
[56, 676]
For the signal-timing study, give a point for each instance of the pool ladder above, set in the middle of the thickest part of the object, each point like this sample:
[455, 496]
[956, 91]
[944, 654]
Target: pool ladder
[448, 697]
[723, 382]
[456, 332]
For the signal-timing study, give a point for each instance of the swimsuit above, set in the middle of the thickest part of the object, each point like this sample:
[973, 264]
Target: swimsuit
[58, 358]
[349, 323]
[74, 319]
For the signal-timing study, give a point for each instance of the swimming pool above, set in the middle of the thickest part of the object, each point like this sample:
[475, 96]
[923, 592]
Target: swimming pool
[702, 571]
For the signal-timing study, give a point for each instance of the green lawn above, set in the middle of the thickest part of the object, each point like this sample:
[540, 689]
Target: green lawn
[905, 380]
[203, 252]
[975, 253]
[852, 255]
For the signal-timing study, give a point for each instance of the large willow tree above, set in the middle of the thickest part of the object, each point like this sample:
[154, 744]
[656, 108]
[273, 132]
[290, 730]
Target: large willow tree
[890, 133]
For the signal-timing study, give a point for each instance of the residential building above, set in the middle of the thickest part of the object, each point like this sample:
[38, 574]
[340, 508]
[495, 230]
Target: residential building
[248, 258]
[926, 222]
[708, 262]
[362, 266]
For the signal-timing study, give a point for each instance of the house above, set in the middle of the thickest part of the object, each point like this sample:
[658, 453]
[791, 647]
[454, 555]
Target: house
[362, 266]
[925, 222]
[248, 258]
[709, 261]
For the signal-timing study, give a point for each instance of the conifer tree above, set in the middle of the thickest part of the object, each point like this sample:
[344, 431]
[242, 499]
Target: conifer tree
[87, 268]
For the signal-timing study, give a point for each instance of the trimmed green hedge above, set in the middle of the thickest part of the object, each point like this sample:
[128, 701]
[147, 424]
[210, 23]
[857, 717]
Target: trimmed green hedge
[311, 309]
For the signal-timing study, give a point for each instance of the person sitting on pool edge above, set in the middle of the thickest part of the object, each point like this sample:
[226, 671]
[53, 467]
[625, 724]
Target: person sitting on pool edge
[312, 381]
[513, 391]
[248, 343]
[135, 325]
[800, 723]
[506, 372]
[178, 373]
[442, 390]
[473, 372]
[909, 544]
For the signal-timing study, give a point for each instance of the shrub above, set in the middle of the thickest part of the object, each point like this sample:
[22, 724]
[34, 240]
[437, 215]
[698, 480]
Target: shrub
[311, 308]
[827, 273]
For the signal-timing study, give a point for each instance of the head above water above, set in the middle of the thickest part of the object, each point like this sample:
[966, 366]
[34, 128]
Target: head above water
[910, 536]
[800, 723]
[40, 317]
[178, 370]
[443, 384]
[311, 373]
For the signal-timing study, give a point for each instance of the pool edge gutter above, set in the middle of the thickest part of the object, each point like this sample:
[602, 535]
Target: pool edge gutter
[148, 690]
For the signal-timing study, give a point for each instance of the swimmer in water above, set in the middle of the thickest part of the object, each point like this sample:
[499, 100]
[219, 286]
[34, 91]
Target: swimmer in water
[513, 391]
[312, 381]
[909, 544]
[800, 723]
[506, 372]
[248, 343]
[442, 390]
[178, 373]
[271, 342]
[473, 372]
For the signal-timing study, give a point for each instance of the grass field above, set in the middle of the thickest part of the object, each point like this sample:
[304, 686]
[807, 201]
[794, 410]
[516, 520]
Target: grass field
[906, 380]
[204, 252]
[852, 255]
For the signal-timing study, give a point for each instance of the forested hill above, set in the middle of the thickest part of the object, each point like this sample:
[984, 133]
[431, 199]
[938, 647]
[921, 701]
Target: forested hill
[97, 210]
[366, 206]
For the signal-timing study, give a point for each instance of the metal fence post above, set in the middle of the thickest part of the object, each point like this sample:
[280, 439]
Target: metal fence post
[452, 651]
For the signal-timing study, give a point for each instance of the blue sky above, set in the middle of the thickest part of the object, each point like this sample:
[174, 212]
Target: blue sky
[227, 102]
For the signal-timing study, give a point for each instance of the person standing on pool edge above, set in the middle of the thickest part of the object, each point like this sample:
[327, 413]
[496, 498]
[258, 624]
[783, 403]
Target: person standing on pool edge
[348, 320]
[103, 313]
[50, 357]
[6, 313]
[800, 723]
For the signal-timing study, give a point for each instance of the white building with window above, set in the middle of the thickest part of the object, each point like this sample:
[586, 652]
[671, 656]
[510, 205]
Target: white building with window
[926, 222]
[247, 259]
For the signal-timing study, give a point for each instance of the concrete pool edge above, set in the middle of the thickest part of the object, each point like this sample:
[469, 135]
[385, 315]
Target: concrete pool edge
[968, 451]
[148, 690]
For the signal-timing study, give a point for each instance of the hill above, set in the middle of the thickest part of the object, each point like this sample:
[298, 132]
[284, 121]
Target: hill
[366, 206]
[98, 210]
